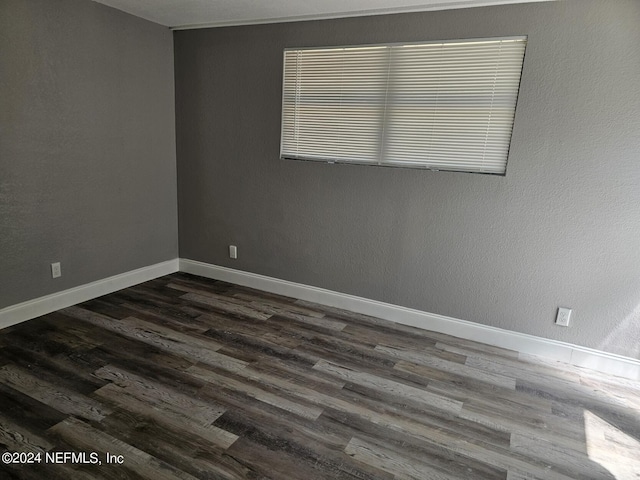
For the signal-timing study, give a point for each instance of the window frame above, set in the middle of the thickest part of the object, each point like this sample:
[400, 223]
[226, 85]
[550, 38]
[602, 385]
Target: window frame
[384, 119]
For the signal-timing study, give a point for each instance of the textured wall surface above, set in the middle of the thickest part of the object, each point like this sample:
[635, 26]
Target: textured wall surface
[87, 145]
[561, 229]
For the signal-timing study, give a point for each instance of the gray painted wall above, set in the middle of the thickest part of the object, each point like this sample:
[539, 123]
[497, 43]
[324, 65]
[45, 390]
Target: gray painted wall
[562, 228]
[87, 145]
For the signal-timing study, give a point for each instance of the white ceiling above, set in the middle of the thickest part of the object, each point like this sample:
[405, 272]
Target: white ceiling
[201, 13]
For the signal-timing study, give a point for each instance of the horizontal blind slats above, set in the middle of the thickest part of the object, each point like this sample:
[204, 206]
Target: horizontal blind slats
[443, 105]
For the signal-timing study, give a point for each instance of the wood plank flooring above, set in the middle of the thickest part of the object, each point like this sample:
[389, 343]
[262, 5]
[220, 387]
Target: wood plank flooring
[184, 377]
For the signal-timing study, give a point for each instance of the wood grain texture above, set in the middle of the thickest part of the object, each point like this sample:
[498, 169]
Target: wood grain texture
[193, 378]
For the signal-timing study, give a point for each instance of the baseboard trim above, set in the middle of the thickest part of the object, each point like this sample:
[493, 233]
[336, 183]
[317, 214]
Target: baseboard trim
[50, 303]
[523, 343]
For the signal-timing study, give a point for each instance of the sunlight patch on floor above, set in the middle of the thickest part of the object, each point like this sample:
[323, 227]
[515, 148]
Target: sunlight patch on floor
[612, 448]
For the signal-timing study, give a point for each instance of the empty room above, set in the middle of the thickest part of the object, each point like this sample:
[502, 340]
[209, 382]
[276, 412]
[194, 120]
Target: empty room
[383, 239]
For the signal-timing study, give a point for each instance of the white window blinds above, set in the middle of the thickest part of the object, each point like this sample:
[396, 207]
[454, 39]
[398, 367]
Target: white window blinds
[444, 106]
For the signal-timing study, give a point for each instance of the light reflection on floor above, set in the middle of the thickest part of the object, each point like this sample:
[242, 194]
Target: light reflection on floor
[609, 446]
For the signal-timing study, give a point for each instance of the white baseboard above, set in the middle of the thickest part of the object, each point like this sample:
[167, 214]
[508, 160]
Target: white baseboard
[528, 344]
[56, 301]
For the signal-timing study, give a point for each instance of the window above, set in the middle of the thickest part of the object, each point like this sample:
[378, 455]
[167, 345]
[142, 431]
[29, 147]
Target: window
[443, 106]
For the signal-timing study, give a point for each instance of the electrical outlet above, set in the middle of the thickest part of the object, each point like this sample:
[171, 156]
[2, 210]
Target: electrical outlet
[56, 270]
[564, 314]
[233, 251]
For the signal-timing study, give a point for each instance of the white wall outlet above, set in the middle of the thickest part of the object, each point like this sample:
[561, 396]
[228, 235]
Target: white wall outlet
[56, 270]
[563, 316]
[233, 251]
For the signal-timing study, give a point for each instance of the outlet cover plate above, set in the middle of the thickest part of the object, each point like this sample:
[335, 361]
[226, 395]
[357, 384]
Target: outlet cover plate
[56, 271]
[563, 317]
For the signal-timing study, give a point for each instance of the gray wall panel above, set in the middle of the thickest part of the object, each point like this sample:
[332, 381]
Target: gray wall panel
[87, 145]
[561, 229]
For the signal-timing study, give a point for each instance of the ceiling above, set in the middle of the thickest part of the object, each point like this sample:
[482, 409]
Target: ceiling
[211, 13]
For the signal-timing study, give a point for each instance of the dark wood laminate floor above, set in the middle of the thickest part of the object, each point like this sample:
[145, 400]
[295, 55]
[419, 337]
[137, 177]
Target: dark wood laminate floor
[190, 378]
